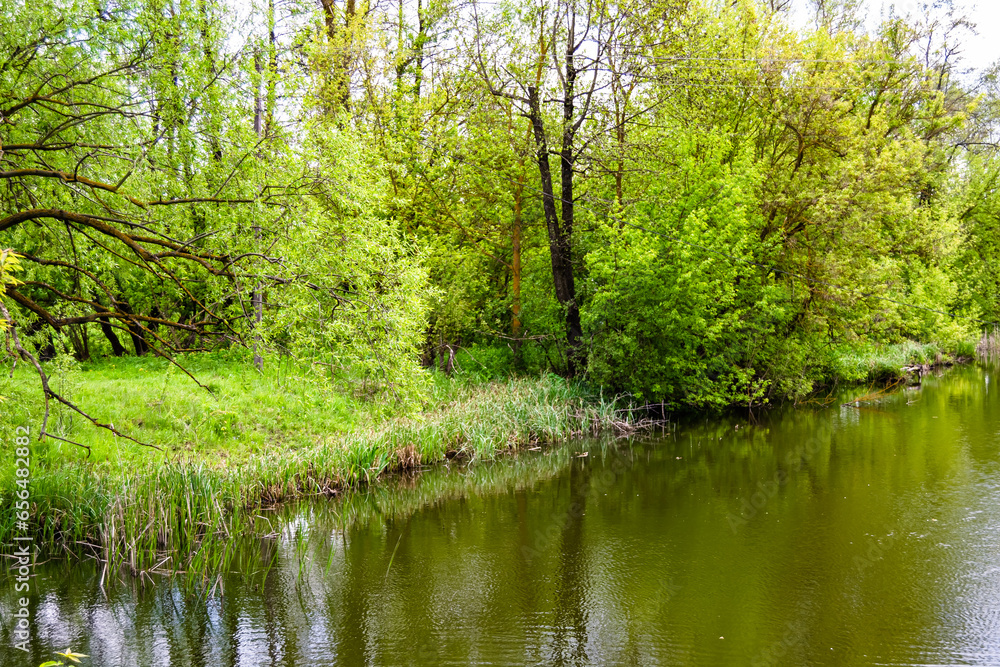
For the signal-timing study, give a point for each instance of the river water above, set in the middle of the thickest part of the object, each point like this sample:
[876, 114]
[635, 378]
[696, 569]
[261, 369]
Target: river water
[820, 535]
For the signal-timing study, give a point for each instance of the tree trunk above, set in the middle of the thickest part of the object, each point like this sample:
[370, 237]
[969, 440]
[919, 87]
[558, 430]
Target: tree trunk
[46, 352]
[117, 348]
[340, 38]
[255, 299]
[263, 126]
[515, 270]
[418, 48]
[139, 343]
[430, 350]
[559, 238]
[574, 330]
[515, 324]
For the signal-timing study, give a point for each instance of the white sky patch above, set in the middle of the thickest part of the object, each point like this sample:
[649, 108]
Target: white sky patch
[979, 51]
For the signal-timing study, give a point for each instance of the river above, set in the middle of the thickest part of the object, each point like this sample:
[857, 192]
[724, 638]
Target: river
[866, 534]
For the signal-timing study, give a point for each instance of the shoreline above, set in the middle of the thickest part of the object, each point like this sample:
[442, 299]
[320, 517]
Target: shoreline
[183, 507]
[137, 509]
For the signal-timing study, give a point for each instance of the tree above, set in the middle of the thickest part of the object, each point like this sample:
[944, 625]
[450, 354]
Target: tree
[149, 197]
[569, 52]
[829, 148]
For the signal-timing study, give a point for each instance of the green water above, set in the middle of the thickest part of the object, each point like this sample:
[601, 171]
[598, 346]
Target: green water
[865, 535]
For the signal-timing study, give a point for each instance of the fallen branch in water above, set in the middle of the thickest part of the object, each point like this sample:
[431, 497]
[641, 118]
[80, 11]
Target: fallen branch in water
[874, 395]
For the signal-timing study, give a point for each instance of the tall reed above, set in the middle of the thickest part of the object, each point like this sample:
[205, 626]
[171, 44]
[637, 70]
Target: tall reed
[989, 345]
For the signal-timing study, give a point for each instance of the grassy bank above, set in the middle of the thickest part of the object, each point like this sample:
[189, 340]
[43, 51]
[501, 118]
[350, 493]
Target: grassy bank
[259, 438]
[256, 439]
[886, 363]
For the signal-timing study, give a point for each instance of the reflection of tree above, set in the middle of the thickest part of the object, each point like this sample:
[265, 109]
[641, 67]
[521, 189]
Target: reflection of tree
[525, 569]
[412, 632]
[353, 631]
[279, 633]
[571, 605]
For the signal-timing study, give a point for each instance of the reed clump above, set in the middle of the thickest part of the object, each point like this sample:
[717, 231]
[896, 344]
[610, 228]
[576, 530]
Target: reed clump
[888, 364]
[988, 347]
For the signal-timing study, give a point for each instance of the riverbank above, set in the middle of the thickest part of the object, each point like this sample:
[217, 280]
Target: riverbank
[649, 534]
[892, 363]
[255, 440]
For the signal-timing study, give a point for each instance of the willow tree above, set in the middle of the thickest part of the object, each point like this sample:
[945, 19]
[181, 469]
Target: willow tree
[147, 206]
[122, 158]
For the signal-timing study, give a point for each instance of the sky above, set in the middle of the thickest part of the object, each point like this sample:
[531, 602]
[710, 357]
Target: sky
[979, 51]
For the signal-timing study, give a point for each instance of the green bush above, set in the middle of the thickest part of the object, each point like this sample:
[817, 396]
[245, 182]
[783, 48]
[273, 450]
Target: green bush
[485, 362]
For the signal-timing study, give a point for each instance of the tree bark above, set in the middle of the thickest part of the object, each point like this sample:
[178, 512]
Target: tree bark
[117, 348]
[560, 250]
[574, 330]
[139, 343]
[515, 323]
[515, 271]
[340, 37]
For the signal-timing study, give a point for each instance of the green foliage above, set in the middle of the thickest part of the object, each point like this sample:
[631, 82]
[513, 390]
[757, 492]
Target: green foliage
[485, 362]
[976, 268]
[352, 287]
[757, 211]
[749, 199]
[681, 307]
[803, 211]
[137, 120]
[9, 264]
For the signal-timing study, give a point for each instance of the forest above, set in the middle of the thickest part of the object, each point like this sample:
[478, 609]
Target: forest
[691, 202]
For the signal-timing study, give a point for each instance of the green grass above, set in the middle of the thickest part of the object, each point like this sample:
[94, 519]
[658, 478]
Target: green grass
[155, 402]
[256, 439]
[884, 363]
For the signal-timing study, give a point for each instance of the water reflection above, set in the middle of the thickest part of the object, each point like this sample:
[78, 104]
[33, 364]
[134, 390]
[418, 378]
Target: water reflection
[836, 536]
